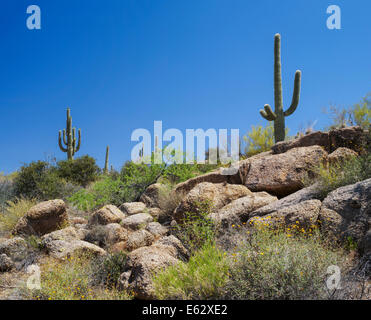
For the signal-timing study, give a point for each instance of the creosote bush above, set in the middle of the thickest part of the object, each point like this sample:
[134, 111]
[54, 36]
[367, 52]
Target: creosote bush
[282, 263]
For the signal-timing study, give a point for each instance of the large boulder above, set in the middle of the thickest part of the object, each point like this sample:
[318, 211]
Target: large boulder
[282, 174]
[353, 138]
[238, 210]
[346, 211]
[144, 262]
[217, 176]
[107, 214]
[302, 195]
[43, 218]
[69, 233]
[137, 221]
[61, 249]
[130, 208]
[217, 194]
[303, 215]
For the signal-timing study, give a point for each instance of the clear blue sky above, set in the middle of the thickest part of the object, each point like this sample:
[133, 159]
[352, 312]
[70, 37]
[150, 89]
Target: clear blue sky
[121, 64]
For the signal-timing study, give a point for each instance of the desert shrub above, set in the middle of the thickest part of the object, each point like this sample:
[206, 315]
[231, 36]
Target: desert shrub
[168, 200]
[15, 209]
[202, 277]
[6, 191]
[72, 279]
[357, 115]
[346, 172]
[196, 229]
[282, 264]
[259, 139]
[107, 269]
[80, 171]
[136, 177]
[40, 180]
[105, 191]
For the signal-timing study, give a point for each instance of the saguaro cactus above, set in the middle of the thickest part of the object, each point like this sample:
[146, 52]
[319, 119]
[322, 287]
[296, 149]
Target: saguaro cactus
[278, 116]
[69, 138]
[106, 162]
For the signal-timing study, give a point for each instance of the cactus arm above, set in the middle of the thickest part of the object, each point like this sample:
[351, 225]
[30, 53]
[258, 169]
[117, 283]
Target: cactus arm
[64, 137]
[295, 95]
[60, 142]
[267, 113]
[78, 141]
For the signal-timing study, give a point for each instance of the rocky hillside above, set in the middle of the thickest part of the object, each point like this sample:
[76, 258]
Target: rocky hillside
[267, 188]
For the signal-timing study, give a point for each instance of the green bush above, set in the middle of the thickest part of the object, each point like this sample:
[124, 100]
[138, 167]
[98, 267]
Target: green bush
[259, 139]
[80, 171]
[108, 269]
[196, 229]
[136, 177]
[340, 174]
[278, 264]
[105, 191]
[72, 279]
[41, 181]
[202, 277]
[6, 191]
[357, 115]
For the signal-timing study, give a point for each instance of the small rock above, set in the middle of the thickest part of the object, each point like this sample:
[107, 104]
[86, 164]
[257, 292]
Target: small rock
[131, 208]
[107, 214]
[157, 229]
[137, 221]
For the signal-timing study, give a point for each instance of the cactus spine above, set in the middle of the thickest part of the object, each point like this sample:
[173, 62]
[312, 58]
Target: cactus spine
[278, 116]
[106, 162]
[69, 138]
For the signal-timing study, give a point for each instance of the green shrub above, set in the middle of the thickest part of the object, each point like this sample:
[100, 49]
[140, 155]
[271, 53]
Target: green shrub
[39, 180]
[80, 171]
[6, 191]
[196, 229]
[15, 210]
[259, 139]
[202, 277]
[108, 269]
[357, 115]
[72, 279]
[105, 191]
[136, 177]
[282, 264]
[340, 174]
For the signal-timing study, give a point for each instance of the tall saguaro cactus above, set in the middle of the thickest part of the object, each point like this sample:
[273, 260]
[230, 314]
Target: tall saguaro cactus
[69, 138]
[106, 162]
[278, 116]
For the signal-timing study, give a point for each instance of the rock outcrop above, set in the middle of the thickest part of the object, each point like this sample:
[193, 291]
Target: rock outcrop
[282, 174]
[353, 138]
